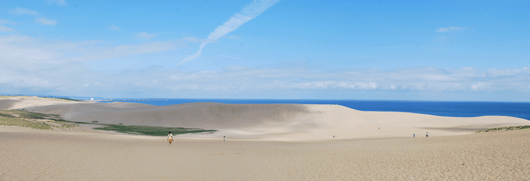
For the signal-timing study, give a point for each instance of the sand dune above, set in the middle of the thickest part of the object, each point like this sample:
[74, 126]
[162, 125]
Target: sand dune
[265, 142]
[22, 102]
[204, 115]
[7, 104]
[28, 154]
[279, 122]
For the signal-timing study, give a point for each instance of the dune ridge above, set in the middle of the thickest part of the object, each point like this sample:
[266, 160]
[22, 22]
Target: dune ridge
[279, 122]
[278, 142]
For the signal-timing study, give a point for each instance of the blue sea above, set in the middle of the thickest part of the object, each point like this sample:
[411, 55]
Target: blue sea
[452, 109]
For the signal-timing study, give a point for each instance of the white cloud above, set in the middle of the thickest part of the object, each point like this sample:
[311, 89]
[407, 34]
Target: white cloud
[442, 30]
[125, 50]
[191, 39]
[246, 14]
[41, 20]
[112, 27]
[145, 35]
[408, 79]
[334, 85]
[65, 51]
[5, 21]
[22, 11]
[45, 21]
[59, 2]
[70, 77]
[452, 28]
[235, 58]
[504, 72]
[3, 28]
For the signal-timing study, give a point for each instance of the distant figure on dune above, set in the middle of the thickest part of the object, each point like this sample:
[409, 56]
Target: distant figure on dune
[170, 138]
[413, 135]
[224, 138]
[427, 134]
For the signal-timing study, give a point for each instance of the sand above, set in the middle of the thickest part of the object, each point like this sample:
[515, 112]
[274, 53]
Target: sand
[22, 102]
[264, 142]
[279, 122]
[46, 155]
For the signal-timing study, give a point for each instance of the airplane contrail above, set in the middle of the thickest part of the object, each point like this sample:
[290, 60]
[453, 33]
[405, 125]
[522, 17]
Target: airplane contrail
[246, 14]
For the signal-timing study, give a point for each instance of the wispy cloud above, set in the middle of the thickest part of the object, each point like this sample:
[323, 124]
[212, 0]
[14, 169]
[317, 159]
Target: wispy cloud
[64, 72]
[145, 35]
[40, 20]
[22, 11]
[190, 39]
[246, 14]
[113, 27]
[125, 50]
[6, 29]
[235, 58]
[5, 21]
[66, 51]
[45, 21]
[452, 28]
[69, 78]
[59, 2]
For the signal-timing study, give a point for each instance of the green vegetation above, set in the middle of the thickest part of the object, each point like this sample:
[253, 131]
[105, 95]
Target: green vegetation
[6, 121]
[150, 130]
[63, 98]
[25, 118]
[65, 125]
[65, 121]
[28, 119]
[6, 115]
[505, 128]
[70, 99]
[32, 115]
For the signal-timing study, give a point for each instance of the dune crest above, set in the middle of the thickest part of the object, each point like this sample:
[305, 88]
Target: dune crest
[22, 102]
[278, 122]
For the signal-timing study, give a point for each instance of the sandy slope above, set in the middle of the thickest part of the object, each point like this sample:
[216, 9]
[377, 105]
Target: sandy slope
[265, 142]
[22, 102]
[279, 122]
[28, 154]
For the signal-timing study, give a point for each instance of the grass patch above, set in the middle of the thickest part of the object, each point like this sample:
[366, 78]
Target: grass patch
[6, 115]
[140, 130]
[5, 121]
[22, 113]
[65, 124]
[505, 128]
[33, 115]
[66, 121]
[29, 119]
[150, 130]
[77, 100]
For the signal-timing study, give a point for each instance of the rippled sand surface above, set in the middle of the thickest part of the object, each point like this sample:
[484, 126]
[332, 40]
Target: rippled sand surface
[28, 154]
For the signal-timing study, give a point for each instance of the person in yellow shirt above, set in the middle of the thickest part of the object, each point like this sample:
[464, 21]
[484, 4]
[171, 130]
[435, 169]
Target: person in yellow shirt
[170, 138]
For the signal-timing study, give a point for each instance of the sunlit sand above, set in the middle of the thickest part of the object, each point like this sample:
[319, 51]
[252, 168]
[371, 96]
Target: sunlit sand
[264, 142]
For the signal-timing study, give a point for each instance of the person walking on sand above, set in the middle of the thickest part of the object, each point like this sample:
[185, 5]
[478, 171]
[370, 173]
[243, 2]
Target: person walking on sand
[427, 134]
[413, 135]
[170, 138]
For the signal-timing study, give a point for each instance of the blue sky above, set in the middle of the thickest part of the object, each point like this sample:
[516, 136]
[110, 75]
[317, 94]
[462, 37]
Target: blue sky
[275, 49]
